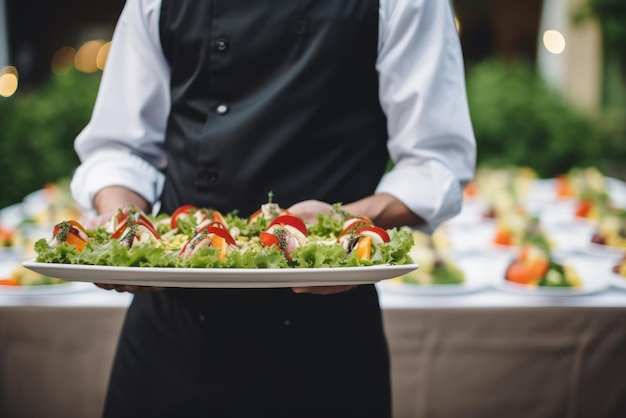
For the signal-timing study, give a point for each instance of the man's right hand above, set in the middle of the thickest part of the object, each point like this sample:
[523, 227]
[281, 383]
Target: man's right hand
[121, 288]
[108, 201]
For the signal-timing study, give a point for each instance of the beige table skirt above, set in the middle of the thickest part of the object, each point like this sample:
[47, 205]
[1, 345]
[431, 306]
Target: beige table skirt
[446, 363]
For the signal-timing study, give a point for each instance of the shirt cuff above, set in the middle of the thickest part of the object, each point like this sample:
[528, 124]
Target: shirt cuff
[115, 168]
[429, 190]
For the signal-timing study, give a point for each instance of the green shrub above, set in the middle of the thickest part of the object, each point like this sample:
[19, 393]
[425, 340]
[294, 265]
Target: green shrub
[519, 120]
[38, 130]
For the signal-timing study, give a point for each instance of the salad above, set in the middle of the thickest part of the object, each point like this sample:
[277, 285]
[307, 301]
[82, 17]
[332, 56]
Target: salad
[194, 237]
[534, 266]
[436, 267]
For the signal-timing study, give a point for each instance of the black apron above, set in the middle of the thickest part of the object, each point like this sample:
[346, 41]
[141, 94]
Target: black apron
[277, 96]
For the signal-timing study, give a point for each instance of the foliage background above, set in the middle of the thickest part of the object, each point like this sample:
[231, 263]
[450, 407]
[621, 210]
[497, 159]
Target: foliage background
[517, 119]
[38, 129]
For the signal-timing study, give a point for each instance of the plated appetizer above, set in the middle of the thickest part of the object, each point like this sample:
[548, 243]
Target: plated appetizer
[611, 229]
[534, 266]
[194, 237]
[21, 276]
[437, 267]
[620, 268]
[517, 229]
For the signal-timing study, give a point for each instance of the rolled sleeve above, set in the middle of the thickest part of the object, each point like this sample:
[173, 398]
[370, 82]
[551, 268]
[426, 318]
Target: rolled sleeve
[115, 168]
[123, 143]
[422, 88]
[436, 197]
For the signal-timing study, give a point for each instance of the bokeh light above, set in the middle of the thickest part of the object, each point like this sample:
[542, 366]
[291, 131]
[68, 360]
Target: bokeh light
[554, 41]
[103, 53]
[63, 60]
[8, 81]
[86, 59]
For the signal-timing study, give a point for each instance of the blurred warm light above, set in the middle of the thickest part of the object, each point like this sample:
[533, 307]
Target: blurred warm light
[63, 60]
[457, 23]
[554, 41]
[8, 81]
[103, 53]
[86, 59]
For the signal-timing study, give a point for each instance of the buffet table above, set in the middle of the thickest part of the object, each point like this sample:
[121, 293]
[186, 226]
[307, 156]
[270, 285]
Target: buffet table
[482, 350]
[481, 354]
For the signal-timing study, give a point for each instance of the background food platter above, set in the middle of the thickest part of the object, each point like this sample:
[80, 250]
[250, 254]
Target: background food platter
[479, 272]
[45, 290]
[594, 274]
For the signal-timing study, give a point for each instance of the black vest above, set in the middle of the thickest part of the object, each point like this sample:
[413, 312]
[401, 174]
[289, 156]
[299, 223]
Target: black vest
[278, 95]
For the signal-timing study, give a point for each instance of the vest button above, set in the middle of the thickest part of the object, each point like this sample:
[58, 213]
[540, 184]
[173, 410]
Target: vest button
[221, 44]
[221, 109]
[212, 176]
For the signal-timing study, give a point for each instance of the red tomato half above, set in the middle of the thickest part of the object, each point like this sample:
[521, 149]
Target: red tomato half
[184, 209]
[353, 225]
[290, 220]
[375, 229]
[143, 221]
[222, 232]
[268, 239]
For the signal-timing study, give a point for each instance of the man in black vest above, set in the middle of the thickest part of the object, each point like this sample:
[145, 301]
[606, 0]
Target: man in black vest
[216, 103]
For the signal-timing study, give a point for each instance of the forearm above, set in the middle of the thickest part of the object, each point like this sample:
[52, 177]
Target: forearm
[113, 198]
[384, 210]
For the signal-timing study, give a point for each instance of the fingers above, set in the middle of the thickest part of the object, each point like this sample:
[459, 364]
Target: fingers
[323, 290]
[308, 210]
[121, 288]
[99, 220]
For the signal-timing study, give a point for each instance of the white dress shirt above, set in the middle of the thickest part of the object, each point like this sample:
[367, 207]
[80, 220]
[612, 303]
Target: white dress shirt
[422, 92]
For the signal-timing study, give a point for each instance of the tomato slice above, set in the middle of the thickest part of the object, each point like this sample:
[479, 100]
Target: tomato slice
[218, 218]
[221, 232]
[564, 187]
[255, 215]
[518, 272]
[218, 236]
[353, 225]
[527, 271]
[375, 229]
[503, 237]
[182, 210]
[268, 211]
[291, 220]
[268, 239]
[584, 208]
[143, 221]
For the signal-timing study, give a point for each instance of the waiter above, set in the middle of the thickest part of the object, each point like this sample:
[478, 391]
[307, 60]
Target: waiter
[216, 103]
